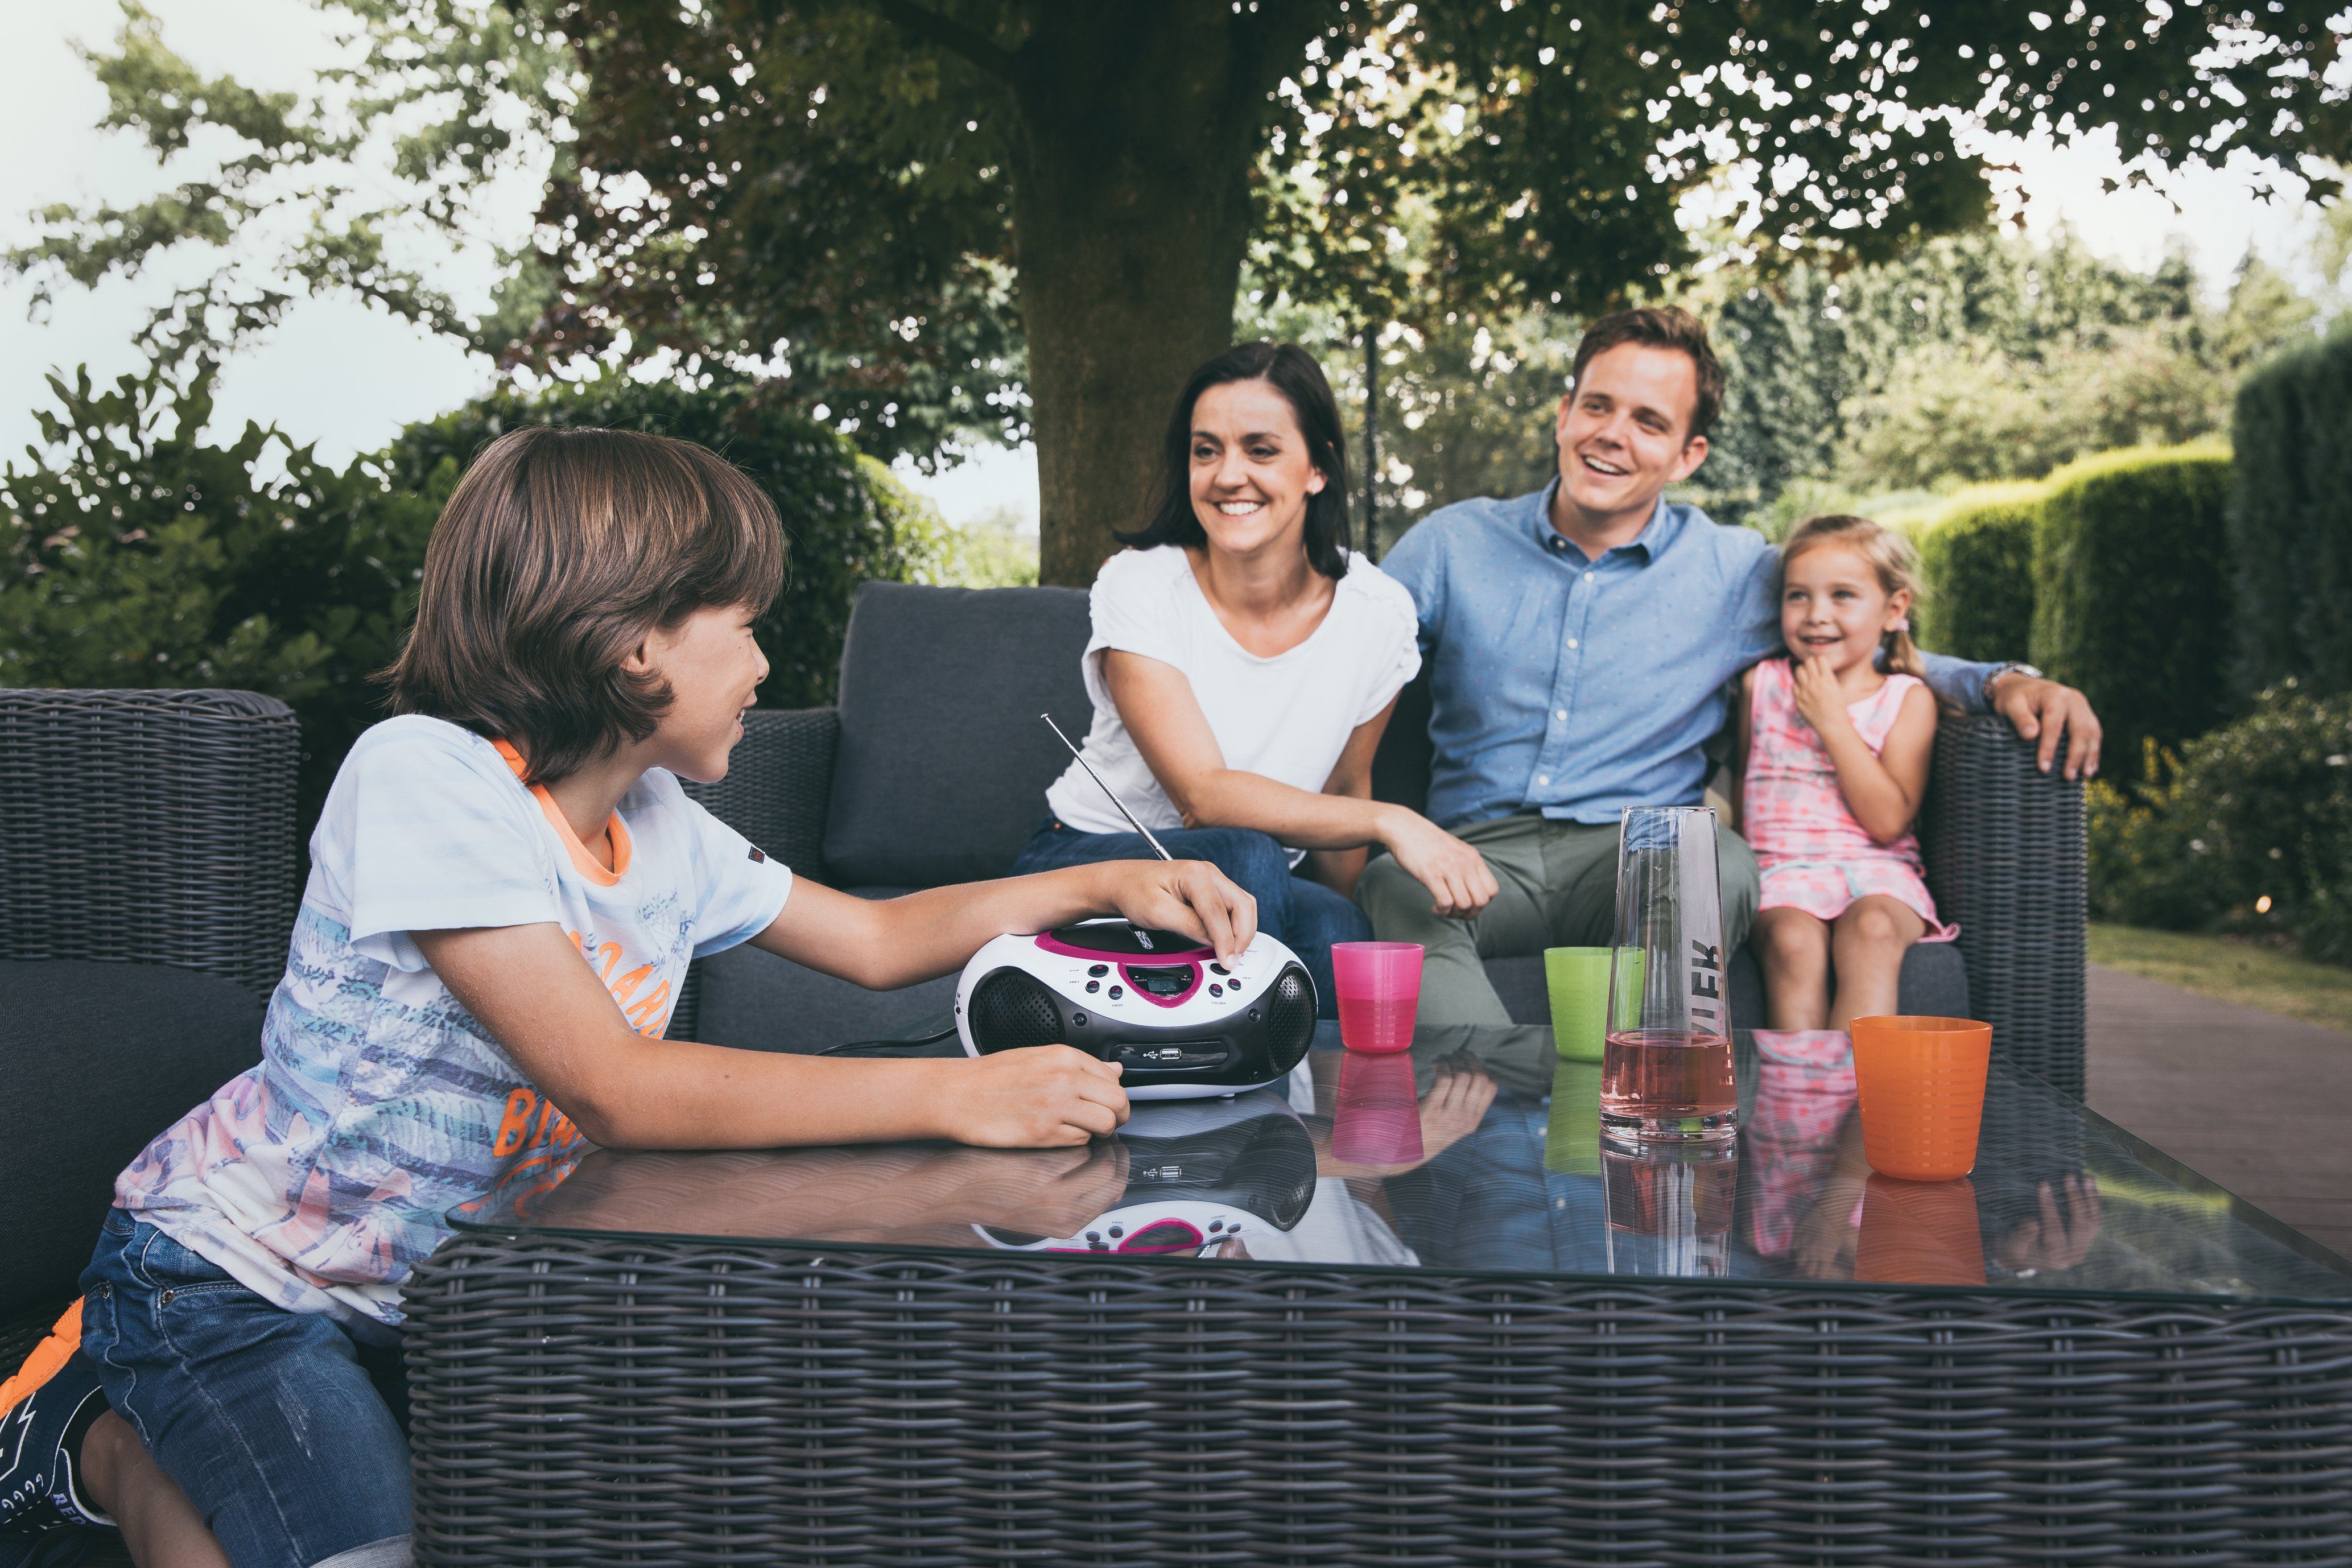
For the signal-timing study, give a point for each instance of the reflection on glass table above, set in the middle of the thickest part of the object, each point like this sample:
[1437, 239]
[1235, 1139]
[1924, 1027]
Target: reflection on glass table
[1480, 1150]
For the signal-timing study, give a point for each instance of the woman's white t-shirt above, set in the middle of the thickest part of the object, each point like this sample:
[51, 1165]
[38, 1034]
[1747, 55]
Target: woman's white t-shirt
[1286, 718]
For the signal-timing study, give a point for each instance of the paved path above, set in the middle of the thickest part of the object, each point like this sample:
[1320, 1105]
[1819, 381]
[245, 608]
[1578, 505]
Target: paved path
[2259, 1103]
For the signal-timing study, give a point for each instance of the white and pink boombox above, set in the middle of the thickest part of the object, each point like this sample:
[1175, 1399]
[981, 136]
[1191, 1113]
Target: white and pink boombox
[1181, 1025]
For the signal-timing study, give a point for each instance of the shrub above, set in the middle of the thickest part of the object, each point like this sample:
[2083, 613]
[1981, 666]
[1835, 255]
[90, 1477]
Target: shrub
[2252, 830]
[2291, 519]
[847, 519]
[1976, 557]
[2132, 594]
[135, 552]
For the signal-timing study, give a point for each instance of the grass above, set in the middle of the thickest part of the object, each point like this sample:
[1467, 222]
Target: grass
[2230, 969]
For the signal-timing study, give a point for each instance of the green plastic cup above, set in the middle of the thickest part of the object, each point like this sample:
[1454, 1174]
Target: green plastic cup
[1578, 978]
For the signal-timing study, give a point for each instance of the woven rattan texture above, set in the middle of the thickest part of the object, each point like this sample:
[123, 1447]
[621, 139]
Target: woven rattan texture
[149, 826]
[604, 1401]
[778, 787]
[779, 783]
[2006, 860]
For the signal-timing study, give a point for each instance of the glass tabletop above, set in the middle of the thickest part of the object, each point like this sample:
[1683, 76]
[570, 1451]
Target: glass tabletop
[1480, 1151]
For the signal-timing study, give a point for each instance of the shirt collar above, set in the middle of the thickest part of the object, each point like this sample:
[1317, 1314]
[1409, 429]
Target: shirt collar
[1658, 535]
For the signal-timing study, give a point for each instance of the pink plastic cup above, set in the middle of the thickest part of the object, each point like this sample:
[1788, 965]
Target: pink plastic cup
[1377, 1119]
[1379, 992]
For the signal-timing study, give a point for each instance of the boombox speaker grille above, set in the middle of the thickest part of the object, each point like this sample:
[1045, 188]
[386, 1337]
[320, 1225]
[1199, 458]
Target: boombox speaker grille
[1290, 1015]
[1012, 1011]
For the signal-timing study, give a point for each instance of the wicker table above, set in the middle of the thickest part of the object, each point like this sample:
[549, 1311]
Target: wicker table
[1453, 1329]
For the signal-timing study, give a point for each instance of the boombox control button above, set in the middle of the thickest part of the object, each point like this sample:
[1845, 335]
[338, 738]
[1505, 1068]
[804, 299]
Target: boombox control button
[1097, 969]
[1094, 1236]
[1093, 987]
[1252, 1014]
[1216, 1225]
[1079, 1019]
[1116, 993]
[1116, 1231]
[1219, 969]
[1215, 989]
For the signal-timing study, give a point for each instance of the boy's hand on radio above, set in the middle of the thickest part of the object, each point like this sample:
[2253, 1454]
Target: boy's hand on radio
[1188, 896]
[1044, 1096]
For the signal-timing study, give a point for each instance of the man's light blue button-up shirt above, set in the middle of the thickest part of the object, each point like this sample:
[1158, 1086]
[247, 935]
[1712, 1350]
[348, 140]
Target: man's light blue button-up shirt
[1576, 686]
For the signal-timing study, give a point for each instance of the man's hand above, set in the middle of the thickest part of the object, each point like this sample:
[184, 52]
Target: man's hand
[1459, 880]
[2056, 1241]
[1820, 700]
[1043, 1097]
[1188, 896]
[2047, 712]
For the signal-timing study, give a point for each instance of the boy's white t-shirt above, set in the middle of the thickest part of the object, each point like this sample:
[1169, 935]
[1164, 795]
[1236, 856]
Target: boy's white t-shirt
[320, 1177]
[1286, 718]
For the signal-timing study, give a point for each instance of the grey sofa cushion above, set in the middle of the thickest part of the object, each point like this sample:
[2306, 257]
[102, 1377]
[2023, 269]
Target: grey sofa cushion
[97, 1059]
[755, 1001]
[943, 763]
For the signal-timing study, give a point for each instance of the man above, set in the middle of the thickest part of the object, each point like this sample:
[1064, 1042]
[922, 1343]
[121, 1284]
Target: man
[1580, 641]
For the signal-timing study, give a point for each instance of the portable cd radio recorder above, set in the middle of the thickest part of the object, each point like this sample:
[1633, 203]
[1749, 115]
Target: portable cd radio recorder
[1181, 1025]
[1196, 1175]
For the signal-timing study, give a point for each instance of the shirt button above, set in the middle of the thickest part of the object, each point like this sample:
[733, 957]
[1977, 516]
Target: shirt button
[1561, 713]
[1571, 642]
[1588, 576]
[1543, 778]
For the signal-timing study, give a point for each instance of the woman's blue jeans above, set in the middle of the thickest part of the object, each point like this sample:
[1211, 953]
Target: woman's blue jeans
[280, 1427]
[1300, 914]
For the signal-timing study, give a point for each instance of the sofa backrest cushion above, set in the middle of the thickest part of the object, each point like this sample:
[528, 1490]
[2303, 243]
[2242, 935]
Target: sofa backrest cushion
[95, 1059]
[941, 772]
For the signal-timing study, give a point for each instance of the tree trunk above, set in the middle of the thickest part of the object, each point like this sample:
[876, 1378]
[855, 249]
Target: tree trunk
[1130, 214]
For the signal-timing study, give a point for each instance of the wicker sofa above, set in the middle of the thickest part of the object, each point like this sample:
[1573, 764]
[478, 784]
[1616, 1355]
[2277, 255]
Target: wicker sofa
[933, 766]
[149, 857]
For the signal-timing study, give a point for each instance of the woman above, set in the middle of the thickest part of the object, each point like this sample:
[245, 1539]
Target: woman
[1243, 666]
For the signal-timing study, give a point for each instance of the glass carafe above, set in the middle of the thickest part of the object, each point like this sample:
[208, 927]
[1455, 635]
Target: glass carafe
[1665, 1072]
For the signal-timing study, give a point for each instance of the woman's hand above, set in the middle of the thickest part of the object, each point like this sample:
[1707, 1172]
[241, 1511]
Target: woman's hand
[1459, 880]
[1819, 698]
[1188, 896]
[1043, 1097]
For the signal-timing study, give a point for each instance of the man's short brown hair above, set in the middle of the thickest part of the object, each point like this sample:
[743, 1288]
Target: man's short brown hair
[558, 552]
[1666, 327]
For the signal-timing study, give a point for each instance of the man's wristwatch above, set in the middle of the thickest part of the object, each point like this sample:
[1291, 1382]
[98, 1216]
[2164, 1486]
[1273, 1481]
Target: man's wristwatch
[1985, 692]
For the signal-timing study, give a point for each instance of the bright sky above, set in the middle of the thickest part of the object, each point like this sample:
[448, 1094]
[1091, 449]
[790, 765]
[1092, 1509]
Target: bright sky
[349, 378]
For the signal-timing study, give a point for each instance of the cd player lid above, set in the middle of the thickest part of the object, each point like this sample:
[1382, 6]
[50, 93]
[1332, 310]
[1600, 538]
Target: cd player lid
[1117, 938]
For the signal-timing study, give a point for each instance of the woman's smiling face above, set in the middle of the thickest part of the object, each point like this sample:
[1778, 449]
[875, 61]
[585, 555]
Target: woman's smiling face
[1250, 472]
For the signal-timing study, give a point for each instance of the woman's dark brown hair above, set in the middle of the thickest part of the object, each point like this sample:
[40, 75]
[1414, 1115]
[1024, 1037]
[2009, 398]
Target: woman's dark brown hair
[1291, 371]
[558, 552]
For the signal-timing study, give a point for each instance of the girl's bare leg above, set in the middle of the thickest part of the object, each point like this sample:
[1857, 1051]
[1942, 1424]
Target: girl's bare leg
[1795, 949]
[1866, 947]
[160, 1525]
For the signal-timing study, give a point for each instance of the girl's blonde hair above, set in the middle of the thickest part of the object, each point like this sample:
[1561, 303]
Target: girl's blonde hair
[1889, 554]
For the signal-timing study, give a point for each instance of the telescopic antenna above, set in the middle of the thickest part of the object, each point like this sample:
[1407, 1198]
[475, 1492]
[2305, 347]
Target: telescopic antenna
[1155, 844]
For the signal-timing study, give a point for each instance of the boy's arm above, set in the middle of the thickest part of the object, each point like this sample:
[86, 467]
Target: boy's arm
[527, 985]
[883, 943]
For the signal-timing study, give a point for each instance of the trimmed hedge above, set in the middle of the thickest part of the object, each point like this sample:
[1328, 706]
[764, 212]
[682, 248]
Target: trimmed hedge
[1977, 560]
[2133, 592]
[2262, 809]
[2291, 519]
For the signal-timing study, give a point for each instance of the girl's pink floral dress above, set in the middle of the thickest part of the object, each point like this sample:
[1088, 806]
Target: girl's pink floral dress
[1814, 856]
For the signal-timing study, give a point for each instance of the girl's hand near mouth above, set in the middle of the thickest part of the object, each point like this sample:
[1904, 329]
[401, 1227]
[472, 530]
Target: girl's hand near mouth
[1820, 698]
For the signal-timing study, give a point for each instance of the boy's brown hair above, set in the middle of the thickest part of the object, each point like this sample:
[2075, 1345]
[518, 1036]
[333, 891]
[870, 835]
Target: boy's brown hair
[1666, 327]
[558, 552]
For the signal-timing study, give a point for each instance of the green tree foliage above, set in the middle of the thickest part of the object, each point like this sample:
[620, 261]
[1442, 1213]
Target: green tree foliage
[1977, 357]
[2260, 810]
[134, 552]
[2291, 519]
[1975, 560]
[872, 194]
[2131, 573]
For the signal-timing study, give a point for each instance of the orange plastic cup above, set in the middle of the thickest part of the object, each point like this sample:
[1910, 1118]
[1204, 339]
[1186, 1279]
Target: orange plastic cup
[1922, 1083]
[1919, 1232]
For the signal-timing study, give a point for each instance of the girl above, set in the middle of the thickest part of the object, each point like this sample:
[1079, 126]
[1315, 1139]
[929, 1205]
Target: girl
[1244, 665]
[1833, 743]
[507, 885]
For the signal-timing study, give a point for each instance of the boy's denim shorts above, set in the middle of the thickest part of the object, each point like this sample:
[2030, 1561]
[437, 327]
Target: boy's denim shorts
[283, 1430]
